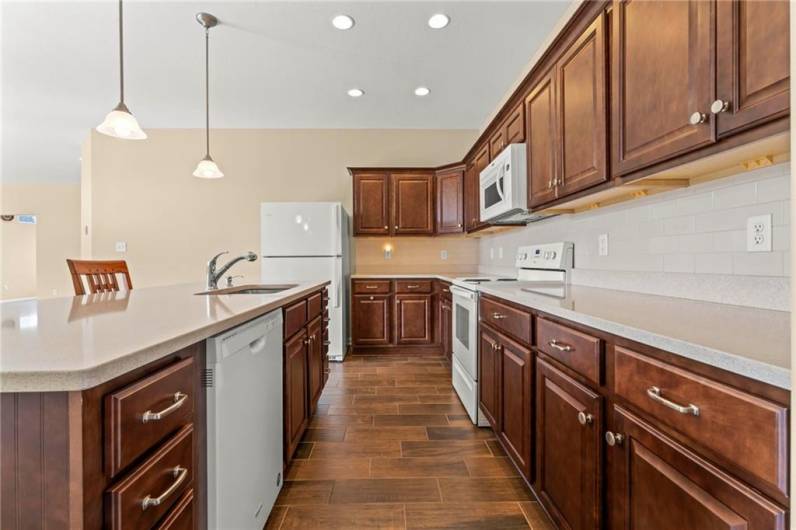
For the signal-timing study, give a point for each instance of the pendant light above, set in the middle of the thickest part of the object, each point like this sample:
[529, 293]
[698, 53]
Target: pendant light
[207, 168]
[119, 122]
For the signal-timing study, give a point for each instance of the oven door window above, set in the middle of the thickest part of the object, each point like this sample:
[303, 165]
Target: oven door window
[493, 193]
[462, 325]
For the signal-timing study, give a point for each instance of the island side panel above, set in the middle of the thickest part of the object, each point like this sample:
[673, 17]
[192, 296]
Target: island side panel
[35, 456]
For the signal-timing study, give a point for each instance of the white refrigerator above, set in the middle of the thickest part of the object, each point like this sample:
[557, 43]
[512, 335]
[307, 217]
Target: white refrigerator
[301, 241]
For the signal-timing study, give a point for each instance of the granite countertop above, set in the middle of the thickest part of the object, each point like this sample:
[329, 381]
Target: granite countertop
[74, 343]
[748, 341]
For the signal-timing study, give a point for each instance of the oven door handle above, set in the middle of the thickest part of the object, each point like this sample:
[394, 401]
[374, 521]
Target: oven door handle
[464, 293]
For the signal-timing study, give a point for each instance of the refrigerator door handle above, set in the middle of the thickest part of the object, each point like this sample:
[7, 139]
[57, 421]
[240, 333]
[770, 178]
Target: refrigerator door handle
[338, 278]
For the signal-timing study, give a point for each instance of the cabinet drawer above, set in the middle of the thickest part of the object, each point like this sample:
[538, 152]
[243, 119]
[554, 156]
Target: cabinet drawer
[182, 516]
[141, 414]
[570, 347]
[158, 482]
[372, 286]
[733, 424]
[513, 321]
[295, 318]
[314, 306]
[413, 286]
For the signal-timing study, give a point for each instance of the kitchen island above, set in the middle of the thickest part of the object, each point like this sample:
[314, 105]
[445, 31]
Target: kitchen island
[103, 400]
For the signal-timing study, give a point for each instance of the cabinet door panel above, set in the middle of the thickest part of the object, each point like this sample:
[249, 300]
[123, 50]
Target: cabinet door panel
[489, 377]
[662, 72]
[471, 199]
[515, 126]
[581, 111]
[450, 202]
[516, 382]
[371, 204]
[480, 162]
[371, 317]
[569, 429]
[752, 61]
[498, 141]
[413, 204]
[296, 406]
[658, 485]
[446, 327]
[540, 142]
[413, 319]
[316, 368]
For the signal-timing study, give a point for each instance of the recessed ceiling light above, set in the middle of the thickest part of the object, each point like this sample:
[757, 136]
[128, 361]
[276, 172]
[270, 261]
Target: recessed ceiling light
[356, 92]
[422, 91]
[343, 22]
[438, 21]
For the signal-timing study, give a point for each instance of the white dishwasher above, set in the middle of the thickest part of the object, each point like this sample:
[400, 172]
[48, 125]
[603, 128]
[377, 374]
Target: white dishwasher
[244, 423]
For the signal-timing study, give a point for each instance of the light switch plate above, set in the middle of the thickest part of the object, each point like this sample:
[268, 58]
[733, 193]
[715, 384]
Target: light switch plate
[443, 254]
[758, 233]
[121, 246]
[387, 253]
[602, 244]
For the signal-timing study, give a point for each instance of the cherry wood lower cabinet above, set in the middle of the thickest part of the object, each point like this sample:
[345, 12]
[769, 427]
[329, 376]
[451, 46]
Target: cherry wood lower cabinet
[446, 326]
[315, 361]
[406, 316]
[624, 436]
[568, 449]
[659, 484]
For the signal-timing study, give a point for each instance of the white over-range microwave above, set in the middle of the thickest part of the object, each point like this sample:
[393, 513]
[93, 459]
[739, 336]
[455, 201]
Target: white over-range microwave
[503, 185]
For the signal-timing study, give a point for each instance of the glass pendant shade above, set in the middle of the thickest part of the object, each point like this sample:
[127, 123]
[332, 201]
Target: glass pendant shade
[119, 123]
[207, 169]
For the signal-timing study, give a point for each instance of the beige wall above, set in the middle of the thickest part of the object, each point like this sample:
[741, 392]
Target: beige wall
[416, 255]
[57, 231]
[143, 192]
[17, 260]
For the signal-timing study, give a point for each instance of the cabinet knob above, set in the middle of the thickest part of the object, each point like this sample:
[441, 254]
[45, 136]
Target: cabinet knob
[396, 227]
[696, 118]
[719, 106]
[371, 298]
[613, 439]
[386, 227]
[459, 225]
[585, 419]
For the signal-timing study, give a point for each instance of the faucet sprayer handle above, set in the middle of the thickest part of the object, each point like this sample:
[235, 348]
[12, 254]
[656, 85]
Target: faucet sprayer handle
[251, 256]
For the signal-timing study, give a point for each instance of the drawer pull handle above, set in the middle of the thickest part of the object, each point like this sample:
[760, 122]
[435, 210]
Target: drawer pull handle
[412, 286]
[179, 401]
[655, 394]
[371, 287]
[498, 316]
[585, 419]
[559, 346]
[180, 474]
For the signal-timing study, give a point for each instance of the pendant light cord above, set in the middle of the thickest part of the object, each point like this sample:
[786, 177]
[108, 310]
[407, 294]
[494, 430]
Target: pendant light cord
[121, 53]
[207, 90]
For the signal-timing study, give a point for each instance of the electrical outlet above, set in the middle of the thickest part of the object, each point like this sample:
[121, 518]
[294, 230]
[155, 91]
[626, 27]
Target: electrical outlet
[758, 233]
[388, 253]
[121, 246]
[602, 244]
[443, 254]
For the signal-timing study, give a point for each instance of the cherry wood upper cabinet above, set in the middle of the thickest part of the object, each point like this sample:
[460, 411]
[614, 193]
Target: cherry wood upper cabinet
[371, 318]
[413, 319]
[480, 162]
[568, 442]
[752, 62]
[371, 204]
[471, 200]
[662, 80]
[510, 131]
[657, 484]
[540, 142]
[450, 200]
[413, 203]
[581, 108]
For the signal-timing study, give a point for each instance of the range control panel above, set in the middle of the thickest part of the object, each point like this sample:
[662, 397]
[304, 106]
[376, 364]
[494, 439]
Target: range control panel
[552, 256]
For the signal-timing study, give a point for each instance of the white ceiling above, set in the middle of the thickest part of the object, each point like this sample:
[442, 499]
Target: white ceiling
[273, 65]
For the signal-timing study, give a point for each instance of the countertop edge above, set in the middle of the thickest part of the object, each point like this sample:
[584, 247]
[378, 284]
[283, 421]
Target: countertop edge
[79, 380]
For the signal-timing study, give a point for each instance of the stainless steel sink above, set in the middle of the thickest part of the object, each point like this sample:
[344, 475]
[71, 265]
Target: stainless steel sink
[251, 289]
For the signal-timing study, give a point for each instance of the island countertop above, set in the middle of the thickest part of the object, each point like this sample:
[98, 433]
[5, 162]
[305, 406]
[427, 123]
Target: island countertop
[75, 343]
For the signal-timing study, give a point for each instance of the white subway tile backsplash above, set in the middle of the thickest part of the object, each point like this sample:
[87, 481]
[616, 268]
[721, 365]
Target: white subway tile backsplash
[694, 236]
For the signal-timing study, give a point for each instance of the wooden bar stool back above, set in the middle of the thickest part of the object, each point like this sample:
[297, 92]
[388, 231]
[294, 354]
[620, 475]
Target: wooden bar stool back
[100, 276]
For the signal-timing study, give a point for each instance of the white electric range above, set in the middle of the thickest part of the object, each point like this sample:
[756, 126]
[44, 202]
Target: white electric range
[541, 269]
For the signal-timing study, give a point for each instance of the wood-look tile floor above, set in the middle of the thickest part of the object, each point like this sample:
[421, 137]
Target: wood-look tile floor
[391, 447]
